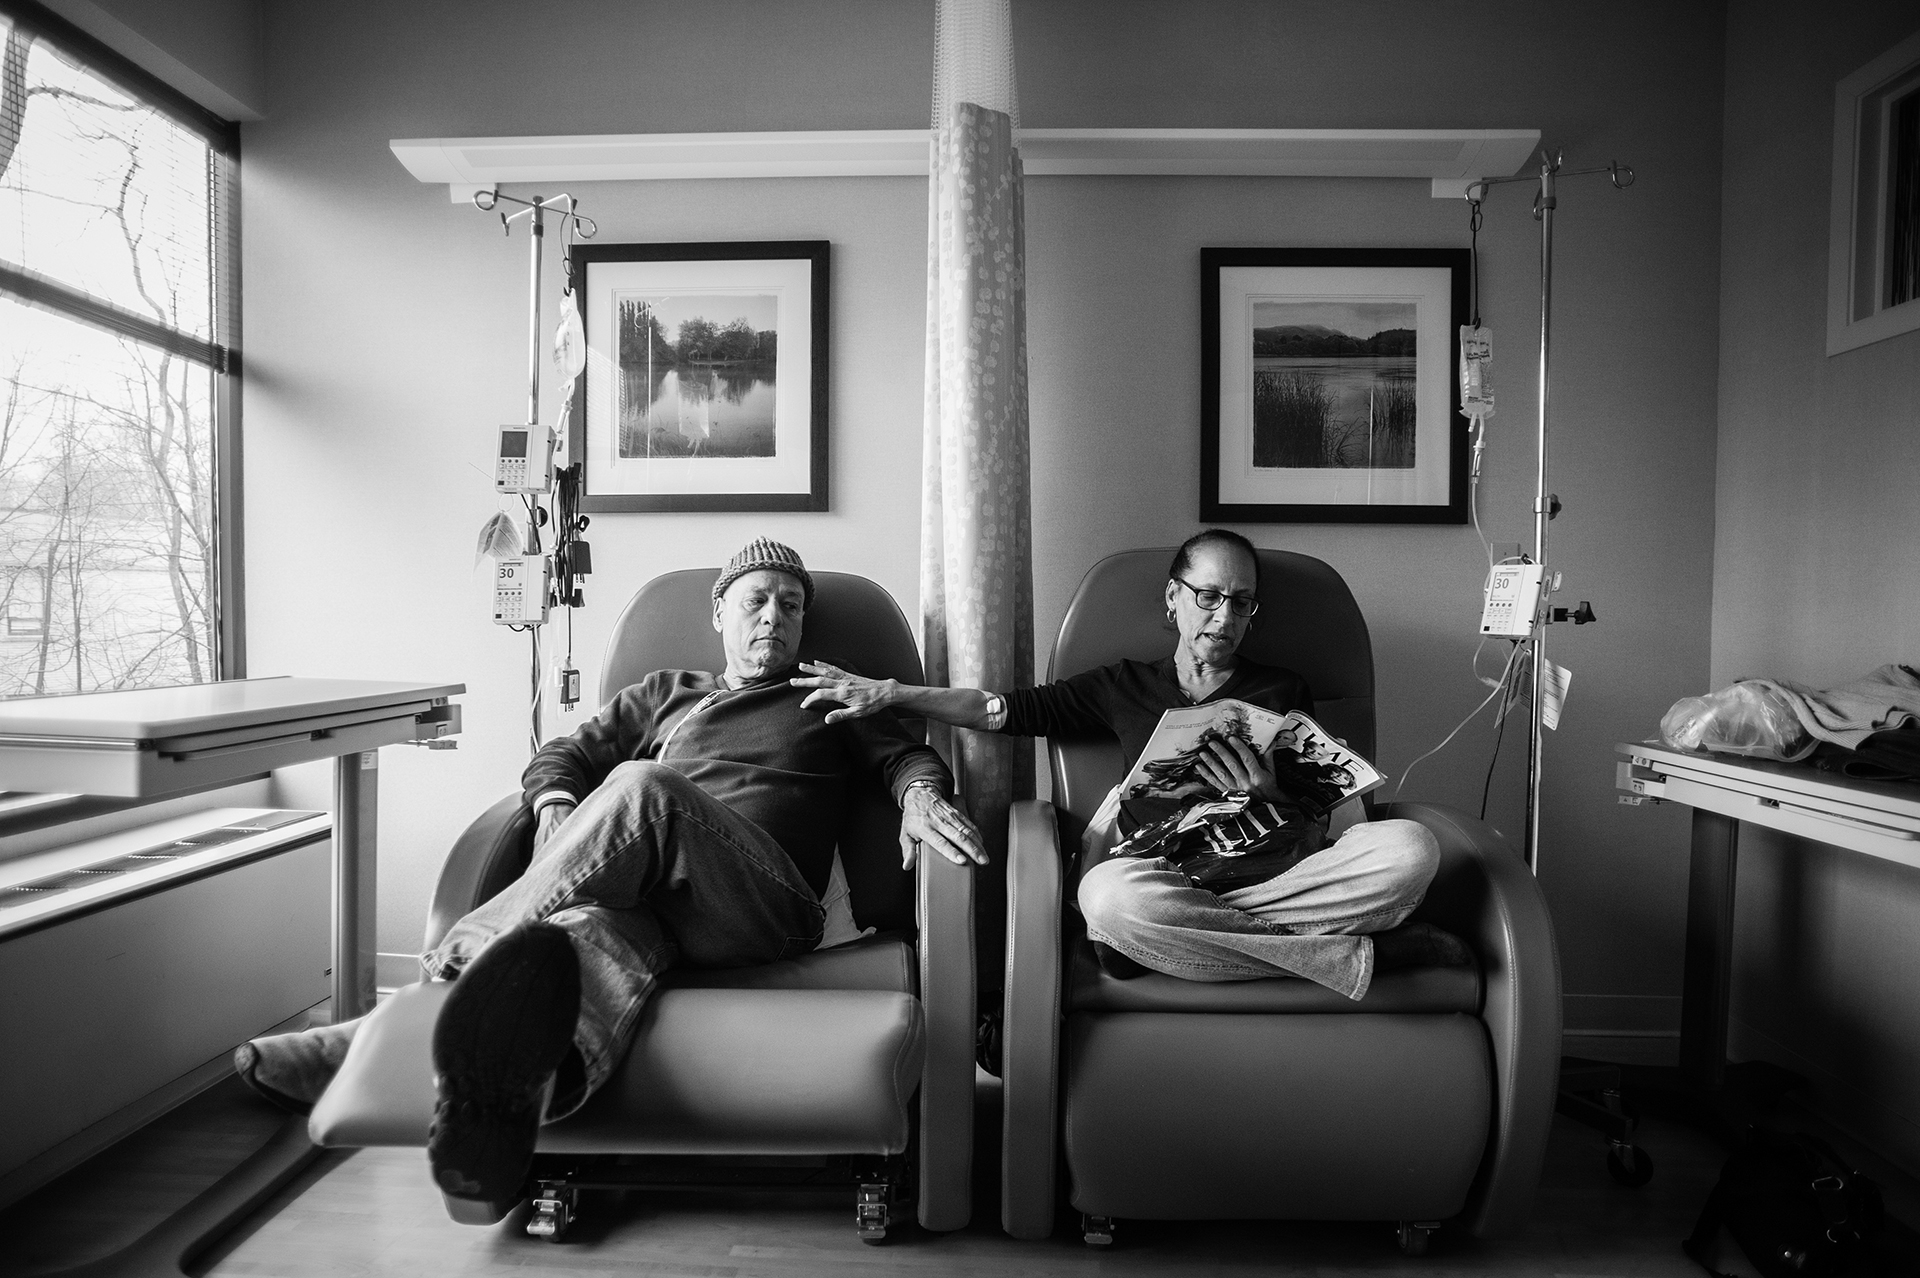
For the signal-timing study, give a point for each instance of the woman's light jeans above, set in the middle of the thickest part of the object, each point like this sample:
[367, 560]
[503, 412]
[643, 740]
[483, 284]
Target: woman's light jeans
[649, 872]
[1310, 921]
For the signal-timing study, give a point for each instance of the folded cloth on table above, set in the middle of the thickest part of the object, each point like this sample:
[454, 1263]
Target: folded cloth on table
[1850, 713]
[1889, 755]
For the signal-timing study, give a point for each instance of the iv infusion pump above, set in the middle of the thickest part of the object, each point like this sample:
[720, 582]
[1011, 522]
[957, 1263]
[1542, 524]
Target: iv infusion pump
[1513, 597]
[521, 584]
[523, 462]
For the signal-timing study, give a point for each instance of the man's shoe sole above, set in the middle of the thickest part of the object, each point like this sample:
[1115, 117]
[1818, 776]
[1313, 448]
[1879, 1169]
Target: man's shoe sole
[502, 1032]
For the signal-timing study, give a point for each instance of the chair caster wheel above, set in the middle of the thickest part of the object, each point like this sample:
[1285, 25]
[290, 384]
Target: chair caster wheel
[1629, 1165]
[554, 1208]
[1415, 1235]
[872, 1215]
[1096, 1231]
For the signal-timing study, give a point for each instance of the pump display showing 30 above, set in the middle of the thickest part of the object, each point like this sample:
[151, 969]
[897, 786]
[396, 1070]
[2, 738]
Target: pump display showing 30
[1513, 596]
[521, 584]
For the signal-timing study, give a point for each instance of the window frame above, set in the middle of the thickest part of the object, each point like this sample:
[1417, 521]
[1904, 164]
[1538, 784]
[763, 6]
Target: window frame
[223, 359]
[1856, 225]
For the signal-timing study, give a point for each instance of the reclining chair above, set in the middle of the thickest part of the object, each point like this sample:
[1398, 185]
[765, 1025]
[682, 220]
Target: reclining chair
[1428, 1100]
[801, 1072]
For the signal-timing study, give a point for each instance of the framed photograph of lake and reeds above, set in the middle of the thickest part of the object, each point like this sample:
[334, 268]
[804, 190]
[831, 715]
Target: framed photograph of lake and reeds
[706, 378]
[1328, 392]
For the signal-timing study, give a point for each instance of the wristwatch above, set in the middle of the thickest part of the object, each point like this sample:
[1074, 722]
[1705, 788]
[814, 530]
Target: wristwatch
[996, 712]
[922, 784]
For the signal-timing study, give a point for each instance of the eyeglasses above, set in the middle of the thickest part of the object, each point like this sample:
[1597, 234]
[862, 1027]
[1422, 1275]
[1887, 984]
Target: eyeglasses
[1242, 605]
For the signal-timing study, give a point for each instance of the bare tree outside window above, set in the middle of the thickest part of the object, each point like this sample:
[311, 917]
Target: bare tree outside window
[107, 501]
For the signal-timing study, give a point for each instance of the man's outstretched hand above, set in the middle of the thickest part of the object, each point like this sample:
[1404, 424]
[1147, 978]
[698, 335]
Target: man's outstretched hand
[857, 697]
[926, 818]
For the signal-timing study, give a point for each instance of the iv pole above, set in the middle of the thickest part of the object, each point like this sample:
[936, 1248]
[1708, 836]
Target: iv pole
[535, 210]
[1545, 505]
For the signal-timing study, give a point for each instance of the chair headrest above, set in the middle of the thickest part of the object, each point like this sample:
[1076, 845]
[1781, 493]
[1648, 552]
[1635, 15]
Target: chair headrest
[1308, 622]
[668, 625]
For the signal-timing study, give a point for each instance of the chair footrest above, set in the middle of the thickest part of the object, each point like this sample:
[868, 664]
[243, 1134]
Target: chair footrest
[711, 1071]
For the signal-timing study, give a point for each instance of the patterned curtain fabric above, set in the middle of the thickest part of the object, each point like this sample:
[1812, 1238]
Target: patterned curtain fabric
[976, 543]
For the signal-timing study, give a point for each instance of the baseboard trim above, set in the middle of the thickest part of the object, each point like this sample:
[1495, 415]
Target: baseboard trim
[1618, 1014]
[52, 1163]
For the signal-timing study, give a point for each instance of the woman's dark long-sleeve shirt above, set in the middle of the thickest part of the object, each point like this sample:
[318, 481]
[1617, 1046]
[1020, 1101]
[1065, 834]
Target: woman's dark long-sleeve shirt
[1128, 698]
[752, 747]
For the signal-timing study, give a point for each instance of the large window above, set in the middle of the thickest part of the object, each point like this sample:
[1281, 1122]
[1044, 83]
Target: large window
[117, 361]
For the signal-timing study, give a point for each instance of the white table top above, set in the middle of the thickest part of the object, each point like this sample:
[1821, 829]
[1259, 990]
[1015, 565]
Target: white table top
[1810, 784]
[1879, 818]
[147, 713]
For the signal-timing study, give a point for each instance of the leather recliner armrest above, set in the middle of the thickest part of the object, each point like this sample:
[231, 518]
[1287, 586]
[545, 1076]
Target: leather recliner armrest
[1030, 1034]
[489, 854]
[947, 994]
[1485, 894]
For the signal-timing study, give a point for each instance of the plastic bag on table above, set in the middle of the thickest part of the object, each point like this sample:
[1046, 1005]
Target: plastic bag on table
[1747, 719]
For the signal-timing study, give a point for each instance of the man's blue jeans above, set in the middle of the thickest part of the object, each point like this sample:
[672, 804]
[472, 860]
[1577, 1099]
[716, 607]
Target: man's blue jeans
[1310, 921]
[649, 872]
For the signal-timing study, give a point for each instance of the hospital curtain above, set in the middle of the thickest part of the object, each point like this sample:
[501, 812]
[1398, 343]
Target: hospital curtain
[976, 559]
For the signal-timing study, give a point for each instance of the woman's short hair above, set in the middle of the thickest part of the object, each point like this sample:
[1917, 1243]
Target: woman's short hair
[1183, 557]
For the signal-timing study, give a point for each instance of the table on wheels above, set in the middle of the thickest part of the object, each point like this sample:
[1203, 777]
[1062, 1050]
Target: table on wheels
[159, 742]
[1876, 818]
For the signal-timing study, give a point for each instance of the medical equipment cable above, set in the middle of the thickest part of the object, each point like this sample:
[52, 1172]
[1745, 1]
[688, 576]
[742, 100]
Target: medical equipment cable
[1499, 735]
[1471, 716]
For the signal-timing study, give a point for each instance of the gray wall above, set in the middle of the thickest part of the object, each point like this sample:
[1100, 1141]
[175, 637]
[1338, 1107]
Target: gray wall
[1817, 576]
[210, 50]
[386, 333]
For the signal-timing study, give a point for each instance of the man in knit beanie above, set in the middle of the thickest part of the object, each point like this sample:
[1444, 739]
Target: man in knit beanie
[692, 822]
[764, 553]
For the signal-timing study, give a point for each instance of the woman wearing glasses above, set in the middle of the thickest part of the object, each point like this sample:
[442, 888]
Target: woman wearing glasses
[1321, 919]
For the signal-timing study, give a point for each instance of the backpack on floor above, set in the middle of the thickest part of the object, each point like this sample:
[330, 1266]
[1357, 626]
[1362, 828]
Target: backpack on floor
[1796, 1209]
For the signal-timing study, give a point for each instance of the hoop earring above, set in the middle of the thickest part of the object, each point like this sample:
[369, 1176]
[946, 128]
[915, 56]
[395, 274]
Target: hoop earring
[1170, 618]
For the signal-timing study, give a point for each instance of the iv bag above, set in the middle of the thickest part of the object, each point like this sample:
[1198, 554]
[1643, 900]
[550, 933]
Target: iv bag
[1476, 376]
[499, 539]
[569, 343]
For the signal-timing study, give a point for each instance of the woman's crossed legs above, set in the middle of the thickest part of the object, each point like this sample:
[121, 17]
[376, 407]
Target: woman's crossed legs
[1311, 921]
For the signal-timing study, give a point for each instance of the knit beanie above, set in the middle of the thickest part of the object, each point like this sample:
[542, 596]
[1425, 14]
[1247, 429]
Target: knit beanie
[764, 552]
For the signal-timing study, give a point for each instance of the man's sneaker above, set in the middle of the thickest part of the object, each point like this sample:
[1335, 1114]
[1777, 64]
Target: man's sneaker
[502, 1032]
[291, 1070]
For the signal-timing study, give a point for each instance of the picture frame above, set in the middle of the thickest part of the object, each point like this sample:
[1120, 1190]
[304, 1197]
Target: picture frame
[1328, 385]
[706, 380]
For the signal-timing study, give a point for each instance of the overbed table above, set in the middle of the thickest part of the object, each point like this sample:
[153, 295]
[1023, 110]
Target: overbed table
[152, 743]
[1880, 819]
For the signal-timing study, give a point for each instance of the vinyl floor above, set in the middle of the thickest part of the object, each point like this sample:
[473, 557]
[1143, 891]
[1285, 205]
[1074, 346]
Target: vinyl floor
[372, 1214]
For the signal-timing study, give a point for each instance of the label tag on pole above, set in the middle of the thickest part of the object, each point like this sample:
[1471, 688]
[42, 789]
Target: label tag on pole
[1558, 677]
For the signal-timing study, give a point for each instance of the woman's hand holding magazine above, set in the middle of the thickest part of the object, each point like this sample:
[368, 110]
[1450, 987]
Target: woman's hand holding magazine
[1207, 796]
[1230, 766]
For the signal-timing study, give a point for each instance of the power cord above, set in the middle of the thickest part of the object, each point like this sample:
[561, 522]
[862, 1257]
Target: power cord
[1499, 736]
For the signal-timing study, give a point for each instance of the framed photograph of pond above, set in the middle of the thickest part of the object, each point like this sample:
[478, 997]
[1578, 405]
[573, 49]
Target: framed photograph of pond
[1328, 388]
[706, 378]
